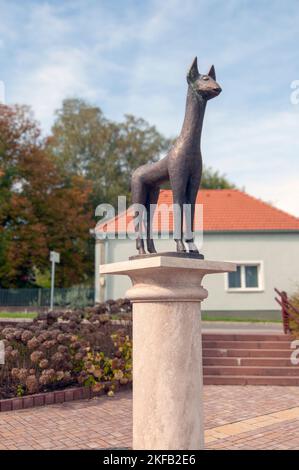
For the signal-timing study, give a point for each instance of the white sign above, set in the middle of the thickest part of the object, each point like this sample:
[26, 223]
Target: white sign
[2, 353]
[54, 256]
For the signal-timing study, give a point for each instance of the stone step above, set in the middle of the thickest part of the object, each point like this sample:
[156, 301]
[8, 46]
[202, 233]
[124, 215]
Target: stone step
[250, 380]
[246, 337]
[248, 359]
[252, 371]
[252, 361]
[265, 353]
[246, 344]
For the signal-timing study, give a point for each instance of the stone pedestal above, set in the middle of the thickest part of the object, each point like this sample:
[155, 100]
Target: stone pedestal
[167, 351]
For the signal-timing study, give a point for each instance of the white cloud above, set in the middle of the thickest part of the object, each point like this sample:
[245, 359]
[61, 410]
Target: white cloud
[46, 24]
[2, 92]
[61, 74]
[259, 153]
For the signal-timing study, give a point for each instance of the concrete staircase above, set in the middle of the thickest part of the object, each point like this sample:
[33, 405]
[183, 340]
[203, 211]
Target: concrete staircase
[248, 359]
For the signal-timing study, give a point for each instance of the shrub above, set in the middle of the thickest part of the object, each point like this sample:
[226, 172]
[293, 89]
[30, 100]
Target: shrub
[294, 323]
[98, 368]
[61, 349]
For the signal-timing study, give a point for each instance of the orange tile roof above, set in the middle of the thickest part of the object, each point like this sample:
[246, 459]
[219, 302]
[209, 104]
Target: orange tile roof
[223, 210]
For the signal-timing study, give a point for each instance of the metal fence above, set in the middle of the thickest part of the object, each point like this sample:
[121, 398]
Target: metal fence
[39, 297]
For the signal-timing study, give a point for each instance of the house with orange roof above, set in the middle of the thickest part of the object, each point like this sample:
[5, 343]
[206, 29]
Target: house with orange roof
[231, 226]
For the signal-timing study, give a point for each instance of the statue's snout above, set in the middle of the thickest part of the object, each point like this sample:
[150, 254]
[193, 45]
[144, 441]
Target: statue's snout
[217, 89]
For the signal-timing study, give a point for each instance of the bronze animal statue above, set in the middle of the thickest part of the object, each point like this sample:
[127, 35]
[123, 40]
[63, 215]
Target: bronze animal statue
[182, 166]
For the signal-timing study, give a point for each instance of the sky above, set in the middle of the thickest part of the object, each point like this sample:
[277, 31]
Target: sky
[131, 56]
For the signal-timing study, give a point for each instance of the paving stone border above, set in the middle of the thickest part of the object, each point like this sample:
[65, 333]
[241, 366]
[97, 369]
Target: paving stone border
[50, 398]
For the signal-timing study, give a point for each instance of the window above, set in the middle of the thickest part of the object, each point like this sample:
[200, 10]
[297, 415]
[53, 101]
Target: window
[251, 276]
[234, 279]
[248, 276]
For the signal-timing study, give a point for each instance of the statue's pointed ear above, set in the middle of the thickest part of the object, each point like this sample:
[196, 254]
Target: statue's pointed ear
[212, 73]
[193, 74]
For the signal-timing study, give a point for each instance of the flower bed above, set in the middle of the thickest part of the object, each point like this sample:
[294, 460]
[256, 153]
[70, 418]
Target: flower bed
[67, 349]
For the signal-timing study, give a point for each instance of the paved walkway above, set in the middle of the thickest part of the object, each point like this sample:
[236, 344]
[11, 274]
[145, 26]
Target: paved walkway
[235, 418]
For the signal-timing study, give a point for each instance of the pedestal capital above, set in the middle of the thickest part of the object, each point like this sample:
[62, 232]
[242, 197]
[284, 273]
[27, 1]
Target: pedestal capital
[165, 278]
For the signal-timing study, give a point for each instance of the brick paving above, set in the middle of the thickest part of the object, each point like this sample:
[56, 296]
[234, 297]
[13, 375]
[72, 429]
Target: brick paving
[228, 404]
[282, 436]
[236, 417]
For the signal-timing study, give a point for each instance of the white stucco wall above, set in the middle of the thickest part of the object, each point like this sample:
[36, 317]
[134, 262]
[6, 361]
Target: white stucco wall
[279, 253]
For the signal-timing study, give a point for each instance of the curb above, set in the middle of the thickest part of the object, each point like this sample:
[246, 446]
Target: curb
[51, 398]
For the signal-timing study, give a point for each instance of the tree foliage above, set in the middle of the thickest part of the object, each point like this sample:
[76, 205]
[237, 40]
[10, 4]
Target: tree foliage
[212, 179]
[85, 143]
[39, 210]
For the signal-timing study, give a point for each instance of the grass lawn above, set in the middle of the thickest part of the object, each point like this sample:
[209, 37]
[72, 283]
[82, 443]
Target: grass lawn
[18, 315]
[205, 317]
[238, 319]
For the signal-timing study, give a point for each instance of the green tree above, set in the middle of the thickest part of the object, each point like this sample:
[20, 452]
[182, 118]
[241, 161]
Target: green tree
[84, 142]
[212, 179]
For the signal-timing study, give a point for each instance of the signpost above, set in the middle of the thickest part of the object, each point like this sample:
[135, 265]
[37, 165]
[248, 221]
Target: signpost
[54, 258]
[2, 353]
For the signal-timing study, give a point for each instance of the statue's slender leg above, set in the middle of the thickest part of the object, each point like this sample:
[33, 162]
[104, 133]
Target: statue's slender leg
[178, 213]
[152, 200]
[140, 246]
[138, 229]
[139, 196]
[192, 190]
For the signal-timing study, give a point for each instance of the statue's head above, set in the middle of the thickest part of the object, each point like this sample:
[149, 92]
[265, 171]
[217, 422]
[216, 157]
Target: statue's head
[203, 85]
